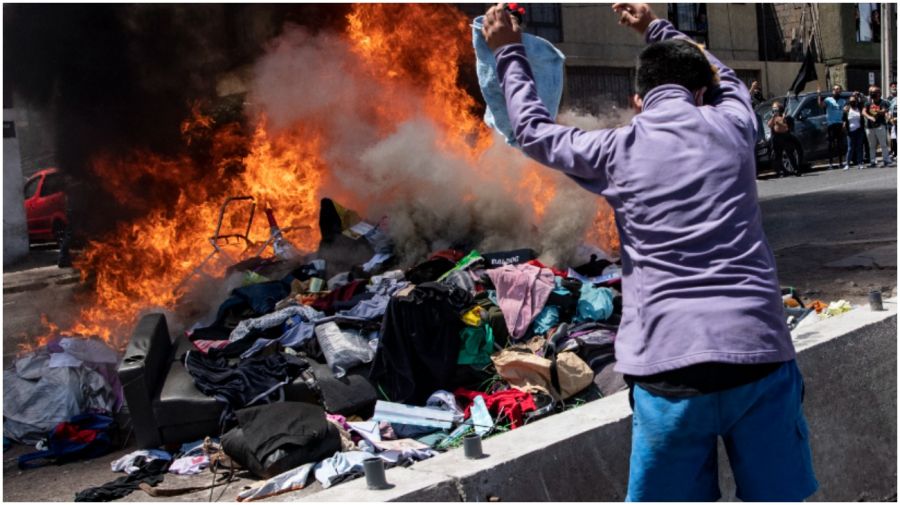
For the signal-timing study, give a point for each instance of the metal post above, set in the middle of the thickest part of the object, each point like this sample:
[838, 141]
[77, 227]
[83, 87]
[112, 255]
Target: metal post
[886, 36]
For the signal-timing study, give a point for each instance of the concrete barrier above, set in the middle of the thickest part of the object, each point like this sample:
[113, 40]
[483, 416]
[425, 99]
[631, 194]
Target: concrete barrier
[849, 365]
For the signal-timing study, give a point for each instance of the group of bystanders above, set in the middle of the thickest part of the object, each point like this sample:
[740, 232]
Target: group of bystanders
[859, 117]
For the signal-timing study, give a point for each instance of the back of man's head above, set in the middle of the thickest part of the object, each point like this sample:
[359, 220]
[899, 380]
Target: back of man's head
[673, 61]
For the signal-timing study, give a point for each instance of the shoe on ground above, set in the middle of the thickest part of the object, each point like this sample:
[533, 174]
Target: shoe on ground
[846, 167]
[872, 165]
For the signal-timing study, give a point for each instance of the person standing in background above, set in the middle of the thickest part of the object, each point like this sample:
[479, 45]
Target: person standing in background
[780, 126]
[834, 111]
[892, 114]
[875, 113]
[756, 94]
[853, 125]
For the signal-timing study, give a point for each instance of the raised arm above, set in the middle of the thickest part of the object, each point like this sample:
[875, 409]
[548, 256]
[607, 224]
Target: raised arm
[583, 155]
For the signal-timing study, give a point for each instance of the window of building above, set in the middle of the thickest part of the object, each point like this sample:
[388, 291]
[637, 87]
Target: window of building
[691, 20]
[544, 20]
[868, 22]
[598, 89]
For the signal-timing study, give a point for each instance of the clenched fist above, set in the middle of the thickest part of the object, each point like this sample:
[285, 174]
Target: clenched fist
[500, 28]
[636, 16]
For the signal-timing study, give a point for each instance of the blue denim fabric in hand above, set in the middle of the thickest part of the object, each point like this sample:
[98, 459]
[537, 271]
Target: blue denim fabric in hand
[547, 64]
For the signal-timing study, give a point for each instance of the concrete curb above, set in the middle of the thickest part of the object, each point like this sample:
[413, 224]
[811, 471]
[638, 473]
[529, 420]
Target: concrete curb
[38, 278]
[849, 364]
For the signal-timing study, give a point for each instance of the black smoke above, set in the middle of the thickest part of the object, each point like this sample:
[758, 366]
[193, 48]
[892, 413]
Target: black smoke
[120, 78]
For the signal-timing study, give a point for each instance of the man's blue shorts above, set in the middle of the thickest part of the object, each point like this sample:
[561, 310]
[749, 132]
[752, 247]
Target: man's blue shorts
[674, 442]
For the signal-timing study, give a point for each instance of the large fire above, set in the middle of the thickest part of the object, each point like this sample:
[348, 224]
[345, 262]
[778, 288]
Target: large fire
[142, 263]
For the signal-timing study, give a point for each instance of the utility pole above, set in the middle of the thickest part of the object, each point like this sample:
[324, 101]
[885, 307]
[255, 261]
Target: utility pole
[887, 18]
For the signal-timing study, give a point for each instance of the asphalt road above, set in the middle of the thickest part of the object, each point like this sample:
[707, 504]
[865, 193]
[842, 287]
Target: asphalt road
[830, 206]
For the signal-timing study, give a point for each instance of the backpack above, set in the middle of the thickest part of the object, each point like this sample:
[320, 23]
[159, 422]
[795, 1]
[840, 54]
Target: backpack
[84, 436]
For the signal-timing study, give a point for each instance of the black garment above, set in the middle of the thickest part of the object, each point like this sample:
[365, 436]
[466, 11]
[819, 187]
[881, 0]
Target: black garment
[498, 259]
[274, 438]
[429, 271]
[877, 109]
[251, 301]
[757, 98]
[701, 379]
[152, 473]
[330, 224]
[259, 378]
[781, 143]
[835, 142]
[420, 342]
[593, 268]
[566, 304]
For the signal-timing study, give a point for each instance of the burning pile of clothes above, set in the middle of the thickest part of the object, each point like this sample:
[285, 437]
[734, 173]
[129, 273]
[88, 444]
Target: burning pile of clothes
[464, 341]
[317, 363]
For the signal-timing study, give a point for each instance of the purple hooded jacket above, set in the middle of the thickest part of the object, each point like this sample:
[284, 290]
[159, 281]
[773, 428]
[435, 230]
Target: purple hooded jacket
[699, 280]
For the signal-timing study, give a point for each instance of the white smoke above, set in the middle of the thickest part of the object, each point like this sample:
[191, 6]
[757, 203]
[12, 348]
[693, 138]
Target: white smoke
[432, 197]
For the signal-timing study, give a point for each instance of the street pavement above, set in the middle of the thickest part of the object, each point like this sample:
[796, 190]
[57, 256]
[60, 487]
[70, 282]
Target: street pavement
[824, 227]
[830, 206]
[834, 232]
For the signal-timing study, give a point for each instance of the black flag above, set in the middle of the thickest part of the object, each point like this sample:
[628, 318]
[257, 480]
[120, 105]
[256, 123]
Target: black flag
[807, 72]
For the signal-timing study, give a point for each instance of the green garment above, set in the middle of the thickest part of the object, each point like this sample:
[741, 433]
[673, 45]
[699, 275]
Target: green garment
[463, 264]
[477, 346]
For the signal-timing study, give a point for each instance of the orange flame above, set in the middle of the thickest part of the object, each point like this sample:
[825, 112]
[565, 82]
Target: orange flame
[140, 264]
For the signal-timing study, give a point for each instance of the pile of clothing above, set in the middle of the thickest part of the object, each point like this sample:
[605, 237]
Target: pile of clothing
[461, 341]
[57, 381]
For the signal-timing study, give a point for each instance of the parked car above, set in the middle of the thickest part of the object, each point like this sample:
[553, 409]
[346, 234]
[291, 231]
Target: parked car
[45, 206]
[809, 135]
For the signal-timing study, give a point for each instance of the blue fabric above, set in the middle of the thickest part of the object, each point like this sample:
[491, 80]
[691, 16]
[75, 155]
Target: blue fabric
[548, 318]
[547, 63]
[260, 298]
[674, 442]
[297, 330]
[594, 304]
[65, 441]
[834, 110]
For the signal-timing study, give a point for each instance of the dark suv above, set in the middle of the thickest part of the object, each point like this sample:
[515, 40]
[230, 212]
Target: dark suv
[810, 131]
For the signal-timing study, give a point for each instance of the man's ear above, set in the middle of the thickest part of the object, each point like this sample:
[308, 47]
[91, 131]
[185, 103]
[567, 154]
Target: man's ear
[698, 96]
[637, 103]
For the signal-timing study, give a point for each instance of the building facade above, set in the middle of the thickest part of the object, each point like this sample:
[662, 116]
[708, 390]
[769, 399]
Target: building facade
[762, 42]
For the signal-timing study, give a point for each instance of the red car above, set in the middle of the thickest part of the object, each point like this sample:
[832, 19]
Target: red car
[45, 206]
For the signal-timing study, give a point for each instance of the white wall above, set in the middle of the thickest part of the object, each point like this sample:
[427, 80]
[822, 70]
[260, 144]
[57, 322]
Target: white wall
[15, 232]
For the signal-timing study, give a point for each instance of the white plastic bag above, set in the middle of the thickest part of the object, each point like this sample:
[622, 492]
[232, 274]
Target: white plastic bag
[343, 349]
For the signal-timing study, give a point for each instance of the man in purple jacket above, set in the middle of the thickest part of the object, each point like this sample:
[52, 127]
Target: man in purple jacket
[703, 340]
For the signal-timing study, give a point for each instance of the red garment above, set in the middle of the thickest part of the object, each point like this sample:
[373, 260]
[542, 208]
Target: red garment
[74, 433]
[562, 273]
[512, 403]
[448, 254]
[341, 294]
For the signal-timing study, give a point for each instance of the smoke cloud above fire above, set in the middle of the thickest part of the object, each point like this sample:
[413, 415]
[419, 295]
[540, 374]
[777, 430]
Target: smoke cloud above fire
[433, 195]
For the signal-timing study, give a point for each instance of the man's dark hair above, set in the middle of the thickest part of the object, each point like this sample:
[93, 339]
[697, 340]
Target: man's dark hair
[673, 61]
